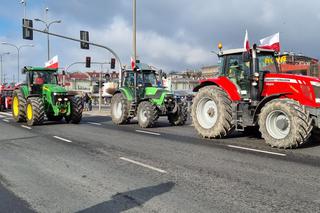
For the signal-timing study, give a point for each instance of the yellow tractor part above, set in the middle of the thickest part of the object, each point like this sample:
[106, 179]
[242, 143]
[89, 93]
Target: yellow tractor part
[15, 105]
[29, 112]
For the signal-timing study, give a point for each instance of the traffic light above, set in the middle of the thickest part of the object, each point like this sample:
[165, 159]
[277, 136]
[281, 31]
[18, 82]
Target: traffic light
[88, 62]
[84, 36]
[113, 63]
[27, 33]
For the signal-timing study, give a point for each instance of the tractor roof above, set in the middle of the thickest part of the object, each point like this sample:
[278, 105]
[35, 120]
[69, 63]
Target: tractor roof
[242, 50]
[38, 69]
[144, 67]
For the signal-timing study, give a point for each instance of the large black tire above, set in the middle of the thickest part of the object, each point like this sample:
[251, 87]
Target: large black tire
[216, 121]
[181, 116]
[119, 109]
[19, 113]
[36, 114]
[76, 110]
[147, 114]
[284, 123]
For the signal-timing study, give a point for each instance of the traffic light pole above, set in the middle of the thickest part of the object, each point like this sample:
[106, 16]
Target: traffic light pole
[88, 42]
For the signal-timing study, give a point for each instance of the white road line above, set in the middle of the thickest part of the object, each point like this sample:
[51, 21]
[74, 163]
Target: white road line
[6, 113]
[143, 165]
[62, 139]
[93, 123]
[2, 116]
[26, 127]
[5, 120]
[256, 150]
[146, 132]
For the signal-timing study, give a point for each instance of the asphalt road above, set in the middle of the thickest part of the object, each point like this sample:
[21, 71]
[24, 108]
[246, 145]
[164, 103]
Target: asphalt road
[99, 167]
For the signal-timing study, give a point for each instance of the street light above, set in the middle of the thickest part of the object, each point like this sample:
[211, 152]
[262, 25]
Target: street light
[18, 50]
[48, 24]
[1, 70]
[24, 3]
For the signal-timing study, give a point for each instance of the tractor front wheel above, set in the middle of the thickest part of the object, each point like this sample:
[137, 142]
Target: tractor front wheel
[76, 110]
[147, 114]
[18, 106]
[284, 123]
[212, 113]
[119, 109]
[180, 117]
[34, 111]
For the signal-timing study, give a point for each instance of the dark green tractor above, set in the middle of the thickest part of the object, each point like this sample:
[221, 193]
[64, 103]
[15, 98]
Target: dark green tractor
[41, 97]
[141, 95]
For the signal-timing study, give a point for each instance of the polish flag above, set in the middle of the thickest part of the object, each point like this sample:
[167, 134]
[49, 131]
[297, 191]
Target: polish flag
[271, 42]
[133, 63]
[53, 63]
[246, 44]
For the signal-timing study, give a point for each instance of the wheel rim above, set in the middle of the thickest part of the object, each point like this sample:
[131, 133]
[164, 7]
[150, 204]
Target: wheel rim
[118, 109]
[15, 106]
[143, 115]
[278, 124]
[29, 112]
[207, 113]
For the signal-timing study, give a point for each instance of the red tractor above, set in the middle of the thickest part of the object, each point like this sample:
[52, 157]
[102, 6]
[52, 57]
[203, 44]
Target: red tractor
[250, 93]
[6, 98]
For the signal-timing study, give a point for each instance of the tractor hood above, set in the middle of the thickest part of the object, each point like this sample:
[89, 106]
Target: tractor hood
[53, 88]
[153, 91]
[290, 78]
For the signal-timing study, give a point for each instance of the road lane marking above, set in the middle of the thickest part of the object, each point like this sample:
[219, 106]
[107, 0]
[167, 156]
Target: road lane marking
[146, 132]
[93, 123]
[2, 116]
[5, 120]
[257, 150]
[144, 165]
[26, 127]
[6, 113]
[62, 139]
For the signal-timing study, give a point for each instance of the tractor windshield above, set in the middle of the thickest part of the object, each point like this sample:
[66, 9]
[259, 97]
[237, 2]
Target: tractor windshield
[267, 62]
[43, 77]
[148, 78]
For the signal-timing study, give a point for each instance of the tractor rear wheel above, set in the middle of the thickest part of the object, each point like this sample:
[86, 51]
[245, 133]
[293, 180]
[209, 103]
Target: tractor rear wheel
[19, 106]
[212, 113]
[119, 109]
[76, 110]
[181, 116]
[34, 111]
[147, 114]
[284, 123]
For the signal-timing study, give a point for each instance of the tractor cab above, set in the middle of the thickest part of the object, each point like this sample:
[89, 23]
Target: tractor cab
[246, 70]
[37, 77]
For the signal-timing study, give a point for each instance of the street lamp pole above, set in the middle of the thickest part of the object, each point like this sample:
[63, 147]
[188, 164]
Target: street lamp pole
[18, 50]
[24, 3]
[134, 30]
[1, 71]
[48, 24]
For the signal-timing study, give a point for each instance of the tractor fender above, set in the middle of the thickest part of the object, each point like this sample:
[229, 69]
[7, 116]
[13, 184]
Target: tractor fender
[264, 101]
[222, 82]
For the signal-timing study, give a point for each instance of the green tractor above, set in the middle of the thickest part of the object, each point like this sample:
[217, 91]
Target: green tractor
[141, 95]
[41, 97]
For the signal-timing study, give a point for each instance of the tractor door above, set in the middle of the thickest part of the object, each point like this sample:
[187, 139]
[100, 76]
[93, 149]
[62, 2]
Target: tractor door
[238, 72]
[36, 81]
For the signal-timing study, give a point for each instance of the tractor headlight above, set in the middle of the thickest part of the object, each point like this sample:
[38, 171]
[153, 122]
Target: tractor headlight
[65, 99]
[55, 93]
[315, 83]
[59, 99]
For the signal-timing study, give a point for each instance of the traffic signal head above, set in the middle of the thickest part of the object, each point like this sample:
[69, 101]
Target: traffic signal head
[113, 63]
[84, 36]
[26, 32]
[88, 62]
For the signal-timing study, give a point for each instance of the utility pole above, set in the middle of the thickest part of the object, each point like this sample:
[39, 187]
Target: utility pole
[1, 66]
[134, 30]
[100, 88]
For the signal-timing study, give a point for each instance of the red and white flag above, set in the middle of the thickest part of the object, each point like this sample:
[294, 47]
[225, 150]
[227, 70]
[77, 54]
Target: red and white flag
[133, 63]
[53, 63]
[246, 44]
[271, 42]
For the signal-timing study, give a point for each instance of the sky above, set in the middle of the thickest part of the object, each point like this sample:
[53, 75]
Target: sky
[171, 35]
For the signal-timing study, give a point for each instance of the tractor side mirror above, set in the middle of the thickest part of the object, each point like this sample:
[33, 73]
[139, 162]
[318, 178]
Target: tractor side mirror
[63, 72]
[246, 57]
[23, 71]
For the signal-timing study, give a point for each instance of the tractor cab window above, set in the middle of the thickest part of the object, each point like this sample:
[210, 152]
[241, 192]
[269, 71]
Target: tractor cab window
[238, 72]
[128, 79]
[150, 79]
[267, 62]
[43, 77]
